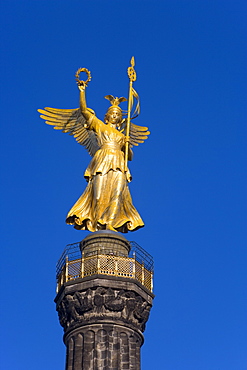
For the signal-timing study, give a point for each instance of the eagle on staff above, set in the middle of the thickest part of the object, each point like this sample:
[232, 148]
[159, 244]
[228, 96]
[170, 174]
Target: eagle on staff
[106, 203]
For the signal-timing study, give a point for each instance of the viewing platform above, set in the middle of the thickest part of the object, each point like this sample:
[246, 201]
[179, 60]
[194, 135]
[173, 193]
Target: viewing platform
[126, 260]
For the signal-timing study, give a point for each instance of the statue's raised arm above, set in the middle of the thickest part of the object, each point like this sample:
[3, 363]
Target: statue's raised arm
[73, 122]
[85, 111]
[106, 202]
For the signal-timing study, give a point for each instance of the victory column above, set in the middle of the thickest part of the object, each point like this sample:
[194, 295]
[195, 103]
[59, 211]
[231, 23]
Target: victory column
[104, 283]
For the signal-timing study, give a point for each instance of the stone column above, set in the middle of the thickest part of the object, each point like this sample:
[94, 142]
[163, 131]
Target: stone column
[103, 319]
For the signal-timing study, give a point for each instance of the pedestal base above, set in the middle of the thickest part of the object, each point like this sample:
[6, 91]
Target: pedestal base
[104, 316]
[103, 319]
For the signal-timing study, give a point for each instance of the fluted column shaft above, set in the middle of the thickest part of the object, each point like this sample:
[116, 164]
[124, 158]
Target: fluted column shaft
[103, 347]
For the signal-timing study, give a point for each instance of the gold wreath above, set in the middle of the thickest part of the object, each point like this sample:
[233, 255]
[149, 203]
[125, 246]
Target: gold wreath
[81, 82]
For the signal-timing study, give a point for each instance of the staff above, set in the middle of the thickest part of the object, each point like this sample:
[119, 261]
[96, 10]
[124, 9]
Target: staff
[132, 77]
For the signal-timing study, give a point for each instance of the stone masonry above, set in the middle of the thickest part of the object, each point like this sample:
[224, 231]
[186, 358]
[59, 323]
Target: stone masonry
[104, 318]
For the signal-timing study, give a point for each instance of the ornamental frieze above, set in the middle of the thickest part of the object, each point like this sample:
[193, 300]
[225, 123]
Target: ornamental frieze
[95, 305]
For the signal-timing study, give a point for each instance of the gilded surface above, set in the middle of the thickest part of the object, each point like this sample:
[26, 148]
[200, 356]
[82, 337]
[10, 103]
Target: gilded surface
[106, 202]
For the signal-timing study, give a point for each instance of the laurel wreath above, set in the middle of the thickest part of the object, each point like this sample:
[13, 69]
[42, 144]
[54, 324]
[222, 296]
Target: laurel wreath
[77, 75]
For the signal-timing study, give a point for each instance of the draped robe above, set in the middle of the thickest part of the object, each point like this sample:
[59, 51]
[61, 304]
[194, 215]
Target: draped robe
[106, 202]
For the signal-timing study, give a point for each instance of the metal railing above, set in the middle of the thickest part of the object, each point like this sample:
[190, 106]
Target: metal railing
[138, 266]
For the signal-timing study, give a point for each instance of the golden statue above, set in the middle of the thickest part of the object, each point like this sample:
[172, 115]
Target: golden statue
[106, 202]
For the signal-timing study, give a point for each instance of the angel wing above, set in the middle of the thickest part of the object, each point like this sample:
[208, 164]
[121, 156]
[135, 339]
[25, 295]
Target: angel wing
[137, 133]
[72, 122]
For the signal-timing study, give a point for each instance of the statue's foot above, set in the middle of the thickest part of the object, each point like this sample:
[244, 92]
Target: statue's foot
[110, 227]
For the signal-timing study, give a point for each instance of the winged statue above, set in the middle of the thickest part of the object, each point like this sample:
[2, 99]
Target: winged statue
[106, 203]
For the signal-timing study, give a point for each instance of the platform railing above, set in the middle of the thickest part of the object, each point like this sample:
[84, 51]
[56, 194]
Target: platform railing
[103, 264]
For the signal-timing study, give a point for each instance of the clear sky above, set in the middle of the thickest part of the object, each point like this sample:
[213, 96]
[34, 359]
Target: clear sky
[189, 177]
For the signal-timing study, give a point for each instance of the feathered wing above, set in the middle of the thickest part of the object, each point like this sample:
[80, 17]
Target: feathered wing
[71, 121]
[137, 133]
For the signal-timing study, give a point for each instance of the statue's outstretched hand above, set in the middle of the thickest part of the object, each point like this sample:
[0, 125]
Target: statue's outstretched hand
[81, 86]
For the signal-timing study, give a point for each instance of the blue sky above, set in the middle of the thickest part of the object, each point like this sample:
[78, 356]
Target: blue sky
[189, 178]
